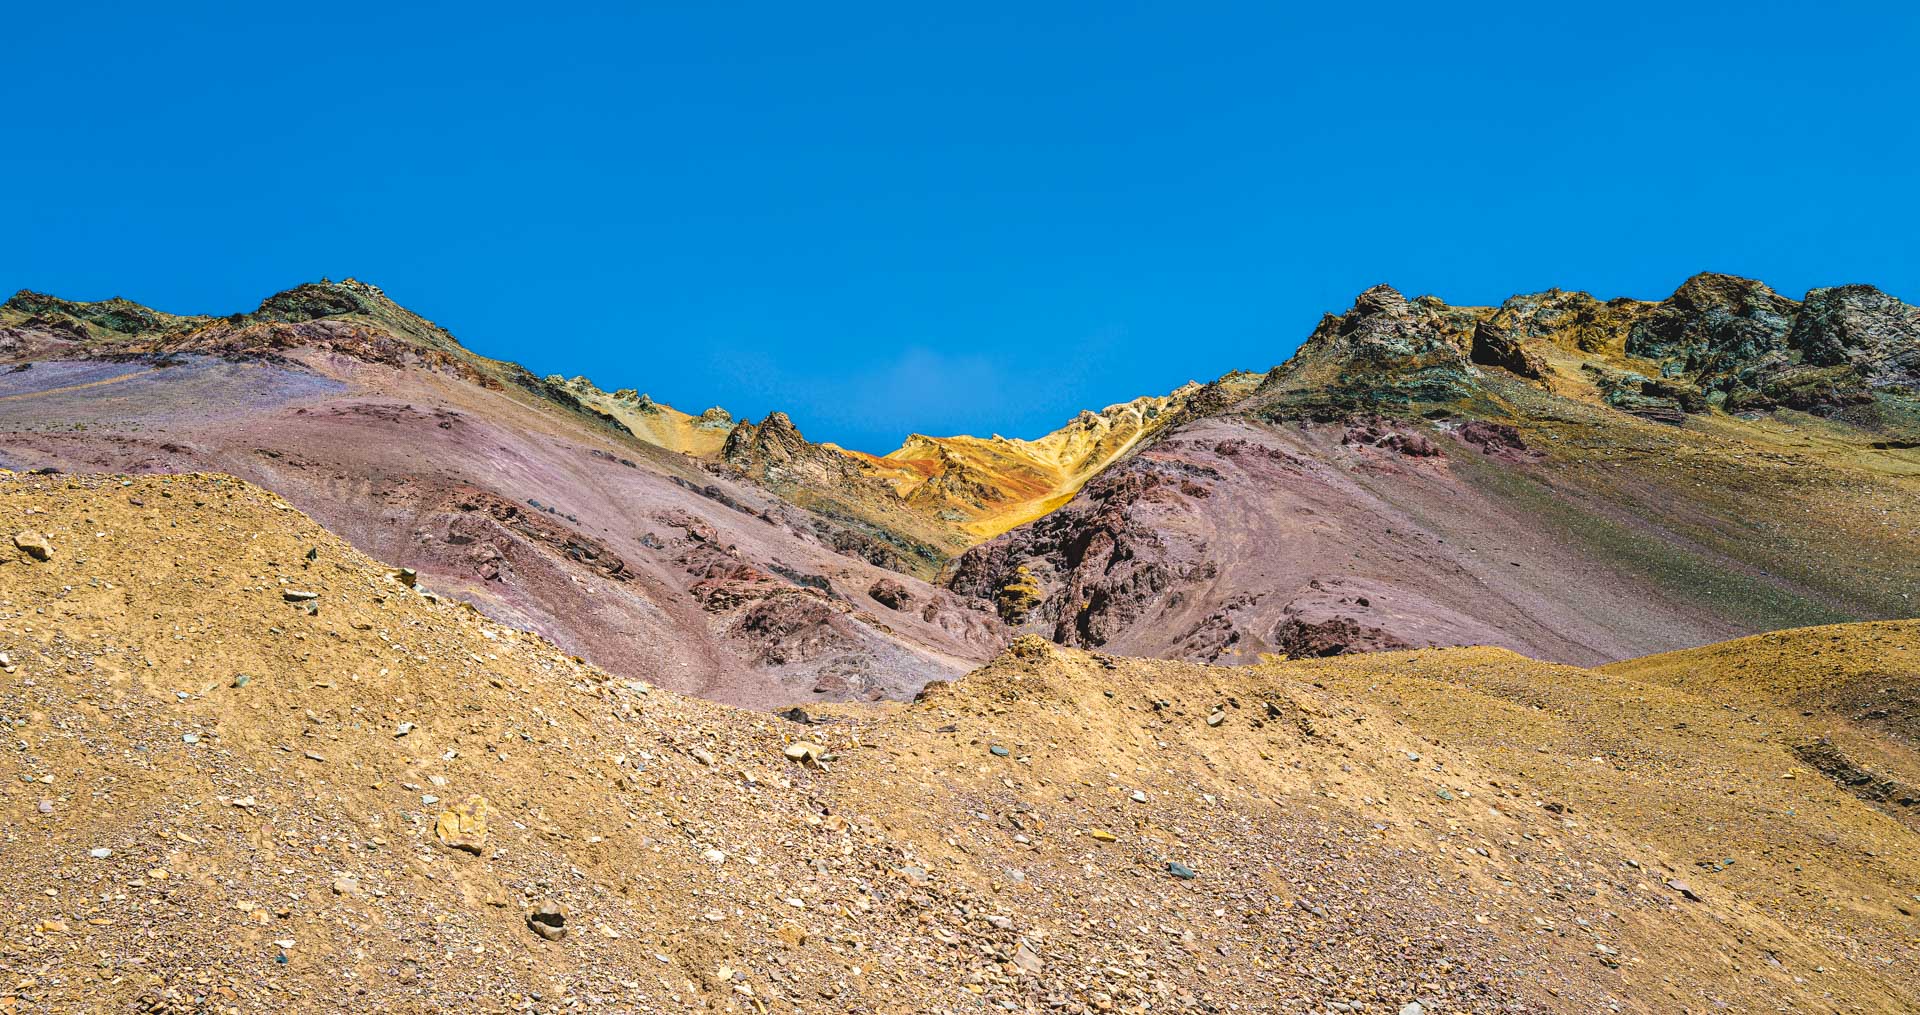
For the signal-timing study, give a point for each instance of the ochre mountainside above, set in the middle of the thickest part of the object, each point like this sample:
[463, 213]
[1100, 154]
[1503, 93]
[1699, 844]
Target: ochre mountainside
[257, 769]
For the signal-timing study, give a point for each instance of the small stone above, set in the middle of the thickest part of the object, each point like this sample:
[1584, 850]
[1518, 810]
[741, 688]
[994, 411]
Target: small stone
[299, 596]
[1137, 796]
[804, 752]
[33, 544]
[346, 884]
[100, 852]
[998, 751]
[464, 826]
[189, 738]
[1180, 870]
[1102, 835]
[1413, 1008]
[1027, 960]
[704, 756]
[1216, 718]
[242, 680]
[714, 856]
[549, 921]
[403, 729]
[1443, 793]
[45, 807]
[1684, 889]
[404, 575]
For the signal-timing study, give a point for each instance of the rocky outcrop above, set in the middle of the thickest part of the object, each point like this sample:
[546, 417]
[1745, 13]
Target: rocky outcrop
[1385, 352]
[890, 594]
[1861, 327]
[776, 455]
[1500, 347]
[1723, 329]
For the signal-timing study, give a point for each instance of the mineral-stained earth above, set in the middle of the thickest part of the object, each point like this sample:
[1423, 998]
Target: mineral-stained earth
[1548, 657]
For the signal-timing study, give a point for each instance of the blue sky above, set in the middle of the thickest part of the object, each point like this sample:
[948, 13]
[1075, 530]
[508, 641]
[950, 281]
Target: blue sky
[976, 219]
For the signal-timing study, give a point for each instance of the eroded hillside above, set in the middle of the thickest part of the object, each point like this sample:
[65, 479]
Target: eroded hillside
[257, 768]
[1573, 480]
[545, 509]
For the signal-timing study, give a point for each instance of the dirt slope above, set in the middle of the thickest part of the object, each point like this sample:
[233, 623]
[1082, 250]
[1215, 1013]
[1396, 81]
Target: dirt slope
[1372, 832]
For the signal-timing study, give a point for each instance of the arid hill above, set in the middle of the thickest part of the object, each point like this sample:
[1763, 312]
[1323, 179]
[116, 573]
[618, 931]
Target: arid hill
[257, 769]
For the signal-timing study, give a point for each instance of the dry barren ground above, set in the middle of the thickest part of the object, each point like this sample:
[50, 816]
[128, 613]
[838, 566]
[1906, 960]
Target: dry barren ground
[248, 767]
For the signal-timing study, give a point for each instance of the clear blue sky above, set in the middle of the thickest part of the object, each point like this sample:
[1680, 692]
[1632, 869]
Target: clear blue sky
[884, 218]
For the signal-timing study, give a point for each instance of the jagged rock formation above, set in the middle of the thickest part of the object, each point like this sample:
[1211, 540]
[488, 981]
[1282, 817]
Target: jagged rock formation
[774, 454]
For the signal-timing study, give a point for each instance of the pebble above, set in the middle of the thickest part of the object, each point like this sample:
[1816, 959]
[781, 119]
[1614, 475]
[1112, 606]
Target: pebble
[189, 738]
[299, 596]
[100, 852]
[1413, 1008]
[714, 856]
[242, 680]
[1180, 870]
[1137, 797]
[998, 751]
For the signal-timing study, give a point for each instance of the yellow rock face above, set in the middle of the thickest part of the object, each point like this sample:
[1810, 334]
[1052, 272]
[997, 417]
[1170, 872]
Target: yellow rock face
[464, 826]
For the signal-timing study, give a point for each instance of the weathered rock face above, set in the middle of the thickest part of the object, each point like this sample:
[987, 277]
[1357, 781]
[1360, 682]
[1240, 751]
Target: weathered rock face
[1723, 329]
[1718, 340]
[774, 454]
[1385, 351]
[1498, 347]
[1860, 327]
[1573, 320]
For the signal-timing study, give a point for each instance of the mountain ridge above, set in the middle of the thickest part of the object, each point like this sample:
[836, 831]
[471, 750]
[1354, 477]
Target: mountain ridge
[1655, 474]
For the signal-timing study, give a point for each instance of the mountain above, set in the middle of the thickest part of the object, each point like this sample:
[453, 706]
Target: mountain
[1577, 480]
[532, 498]
[258, 769]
